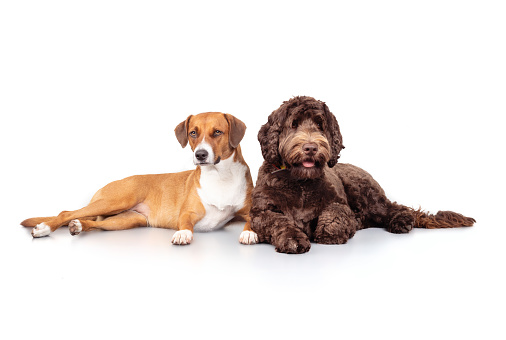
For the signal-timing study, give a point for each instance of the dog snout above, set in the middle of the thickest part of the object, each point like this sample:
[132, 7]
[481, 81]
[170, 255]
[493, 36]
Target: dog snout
[310, 149]
[201, 155]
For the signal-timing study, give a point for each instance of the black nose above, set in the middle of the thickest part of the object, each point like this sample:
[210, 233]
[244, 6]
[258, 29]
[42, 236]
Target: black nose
[201, 155]
[310, 148]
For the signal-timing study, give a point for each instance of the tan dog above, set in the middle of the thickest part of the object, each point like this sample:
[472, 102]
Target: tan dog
[203, 199]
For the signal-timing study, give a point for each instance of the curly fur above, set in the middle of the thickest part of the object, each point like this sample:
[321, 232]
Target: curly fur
[314, 199]
[298, 108]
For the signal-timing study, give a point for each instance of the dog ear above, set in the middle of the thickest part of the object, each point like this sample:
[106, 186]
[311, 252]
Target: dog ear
[334, 136]
[182, 131]
[268, 136]
[236, 130]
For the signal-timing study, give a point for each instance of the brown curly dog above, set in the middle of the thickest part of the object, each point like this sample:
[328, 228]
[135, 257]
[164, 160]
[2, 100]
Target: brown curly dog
[303, 195]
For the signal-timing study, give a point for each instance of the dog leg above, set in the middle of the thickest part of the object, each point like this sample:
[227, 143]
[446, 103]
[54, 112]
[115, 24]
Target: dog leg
[122, 221]
[247, 236]
[370, 204]
[96, 208]
[182, 237]
[112, 199]
[336, 225]
[395, 218]
[277, 228]
[290, 240]
[186, 222]
[400, 219]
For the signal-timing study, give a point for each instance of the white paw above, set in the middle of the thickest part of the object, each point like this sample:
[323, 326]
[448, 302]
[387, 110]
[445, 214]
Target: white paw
[75, 227]
[248, 237]
[41, 230]
[182, 237]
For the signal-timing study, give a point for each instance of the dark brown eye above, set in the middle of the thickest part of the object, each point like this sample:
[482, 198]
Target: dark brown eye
[218, 133]
[193, 134]
[319, 122]
[295, 124]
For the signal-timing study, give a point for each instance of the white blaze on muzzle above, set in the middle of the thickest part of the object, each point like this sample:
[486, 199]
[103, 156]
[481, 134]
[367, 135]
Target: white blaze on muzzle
[203, 153]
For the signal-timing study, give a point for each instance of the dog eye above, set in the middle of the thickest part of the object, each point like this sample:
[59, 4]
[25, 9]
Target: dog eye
[193, 134]
[319, 124]
[295, 124]
[217, 133]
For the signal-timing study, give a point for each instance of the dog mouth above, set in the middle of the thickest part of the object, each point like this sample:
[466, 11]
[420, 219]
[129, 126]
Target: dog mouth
[307, 168]
[309, 164]
[205, 163]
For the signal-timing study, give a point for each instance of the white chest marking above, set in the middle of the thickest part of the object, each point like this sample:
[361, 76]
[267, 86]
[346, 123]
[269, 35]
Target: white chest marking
[222, 192]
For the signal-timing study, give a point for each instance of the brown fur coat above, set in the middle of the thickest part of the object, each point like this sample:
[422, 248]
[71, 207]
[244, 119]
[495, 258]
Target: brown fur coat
[303, 195]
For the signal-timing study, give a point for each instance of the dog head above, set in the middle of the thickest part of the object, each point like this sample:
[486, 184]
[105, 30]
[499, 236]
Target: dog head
[303, 135]
[213, 136]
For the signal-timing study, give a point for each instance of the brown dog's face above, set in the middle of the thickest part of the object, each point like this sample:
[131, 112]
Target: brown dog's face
[213, 136]
[302, 144]
[303, 135]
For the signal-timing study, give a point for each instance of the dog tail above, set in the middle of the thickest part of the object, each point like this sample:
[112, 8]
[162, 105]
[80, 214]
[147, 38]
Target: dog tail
[32, 222]
[442, 219]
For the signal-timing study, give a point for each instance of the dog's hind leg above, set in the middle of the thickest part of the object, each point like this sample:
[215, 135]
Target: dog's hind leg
[114, 198]
[96, 208]
[400, 219]
[370, 204]
[376, 210]
[32, 222]
[125, 220]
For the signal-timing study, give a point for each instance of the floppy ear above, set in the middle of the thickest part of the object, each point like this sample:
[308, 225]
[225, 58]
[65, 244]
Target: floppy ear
[334, 136]
[268, 136]
[236, 130]
[182, 131]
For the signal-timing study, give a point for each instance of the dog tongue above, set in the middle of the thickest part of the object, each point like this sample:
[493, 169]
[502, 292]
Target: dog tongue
[308, 164]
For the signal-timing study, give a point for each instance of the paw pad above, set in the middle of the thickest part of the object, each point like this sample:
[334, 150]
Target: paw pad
[75, 227]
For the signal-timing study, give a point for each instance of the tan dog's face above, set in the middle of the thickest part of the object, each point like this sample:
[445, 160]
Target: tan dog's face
[213, 136]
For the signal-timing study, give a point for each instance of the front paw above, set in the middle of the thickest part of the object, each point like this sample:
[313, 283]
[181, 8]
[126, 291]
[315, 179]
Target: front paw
[248, 237]
[182, 237]
[335, 232]
[292, 243]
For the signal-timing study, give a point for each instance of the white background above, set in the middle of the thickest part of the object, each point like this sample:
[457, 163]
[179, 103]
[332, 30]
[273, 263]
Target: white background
[91, 91]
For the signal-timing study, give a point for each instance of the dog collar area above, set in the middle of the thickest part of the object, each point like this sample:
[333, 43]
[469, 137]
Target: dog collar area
[279, 168]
